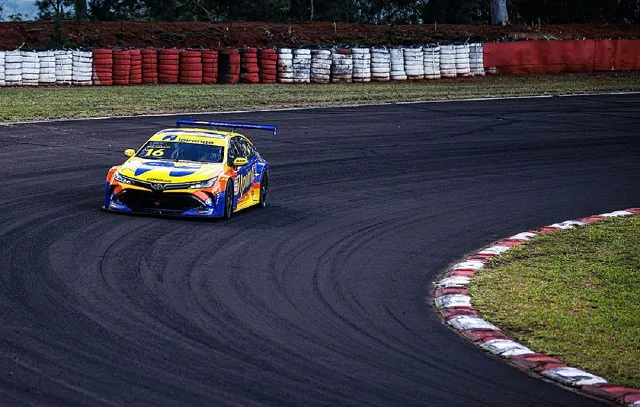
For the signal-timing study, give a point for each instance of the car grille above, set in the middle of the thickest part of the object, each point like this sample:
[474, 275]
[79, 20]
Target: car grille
[166, 187]
[143, 201]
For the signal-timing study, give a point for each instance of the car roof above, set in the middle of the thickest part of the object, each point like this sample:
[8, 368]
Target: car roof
[196, 135]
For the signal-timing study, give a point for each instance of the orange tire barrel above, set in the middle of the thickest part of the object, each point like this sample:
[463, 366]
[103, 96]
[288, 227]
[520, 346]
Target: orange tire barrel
[209, 66]
[249, 70]
[168, 65]
[121, 67]
[102, 67]
[149, 65]
[135, 72]
[229, 66]
[190, 67]
[267, 63]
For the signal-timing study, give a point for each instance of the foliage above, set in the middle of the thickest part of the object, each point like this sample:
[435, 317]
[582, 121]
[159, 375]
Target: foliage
[355, 11]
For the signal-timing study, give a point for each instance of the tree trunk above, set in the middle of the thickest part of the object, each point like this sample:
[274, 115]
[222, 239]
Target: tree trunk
[81, 9]
[499, 14]
[312, 11]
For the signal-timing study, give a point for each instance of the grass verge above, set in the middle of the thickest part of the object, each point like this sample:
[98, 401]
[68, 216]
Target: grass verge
[22, 104]
[574, 294]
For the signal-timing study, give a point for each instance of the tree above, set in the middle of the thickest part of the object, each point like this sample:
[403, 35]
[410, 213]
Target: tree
[54, 9]
[499, 14]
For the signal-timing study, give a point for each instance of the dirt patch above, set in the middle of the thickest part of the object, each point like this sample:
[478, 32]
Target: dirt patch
[35, 35]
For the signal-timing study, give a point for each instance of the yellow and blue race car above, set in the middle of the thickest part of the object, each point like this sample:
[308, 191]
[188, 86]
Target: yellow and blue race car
[193, 169]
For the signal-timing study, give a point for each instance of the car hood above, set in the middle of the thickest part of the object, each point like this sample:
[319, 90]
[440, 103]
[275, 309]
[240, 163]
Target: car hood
[169, 171]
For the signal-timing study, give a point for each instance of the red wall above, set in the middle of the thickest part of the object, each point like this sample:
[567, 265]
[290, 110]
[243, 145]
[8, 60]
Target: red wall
[562, 56]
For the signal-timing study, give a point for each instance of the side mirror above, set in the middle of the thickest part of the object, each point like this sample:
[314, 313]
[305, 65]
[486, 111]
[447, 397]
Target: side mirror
[129, 152]
[240, 161]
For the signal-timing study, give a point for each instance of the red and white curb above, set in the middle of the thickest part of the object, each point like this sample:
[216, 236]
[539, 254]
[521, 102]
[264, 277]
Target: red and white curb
[455, 306]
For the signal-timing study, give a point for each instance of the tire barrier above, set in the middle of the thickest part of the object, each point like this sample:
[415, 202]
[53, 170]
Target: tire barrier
[267, 61]
[341, 66]
[149, 65]
[2, 82]
[267, 65]
[190, 69]
[168, 65]
[64, 67]
[121, 67]
[301, 65]
[47, 75]
[431, 60]
[361, 64]
[82, 68]
[284, 66]
[476, 59]
[397, 64]
[209, 66]
[320, 66]
[30, 68]
[380, 65]
[249, 70]
[414, 63]
[448, 61]
[102, 67]
[229, 66]
[135, 69]
[462, 60]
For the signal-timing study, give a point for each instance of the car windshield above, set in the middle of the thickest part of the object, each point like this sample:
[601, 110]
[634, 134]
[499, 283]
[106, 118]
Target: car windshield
[179, 151]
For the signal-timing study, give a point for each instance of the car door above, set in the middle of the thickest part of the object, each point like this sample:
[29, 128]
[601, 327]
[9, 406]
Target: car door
[237, 150]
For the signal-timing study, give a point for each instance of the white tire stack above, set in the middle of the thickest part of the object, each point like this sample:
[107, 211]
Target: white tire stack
[30, 66]
[2, 83]
[431, 62]
[285, 66]
[302, 66]
[380, 65]
[361, 64]
[12, 68]
[476, 59]
[341, 66]
[448, 61]
[320, 66]
[413, 63]
[64, 67]
[397, 65]
[47, 68]
[462, 60]
[82, 68]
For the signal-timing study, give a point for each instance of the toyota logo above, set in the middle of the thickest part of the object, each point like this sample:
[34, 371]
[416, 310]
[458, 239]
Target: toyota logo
[157, 187]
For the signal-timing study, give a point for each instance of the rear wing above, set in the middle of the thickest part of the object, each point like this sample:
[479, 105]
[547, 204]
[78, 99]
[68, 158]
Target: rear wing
[189, 122]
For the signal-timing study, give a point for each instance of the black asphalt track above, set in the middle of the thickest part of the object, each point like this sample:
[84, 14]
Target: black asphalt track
[323, 298]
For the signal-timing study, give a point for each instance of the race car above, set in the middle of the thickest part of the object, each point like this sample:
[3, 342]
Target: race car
[194, 170]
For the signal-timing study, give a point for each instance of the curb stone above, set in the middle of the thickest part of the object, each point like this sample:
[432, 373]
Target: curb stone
[456, 310]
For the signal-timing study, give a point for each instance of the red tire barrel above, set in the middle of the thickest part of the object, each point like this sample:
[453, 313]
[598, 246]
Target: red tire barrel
[249, 70]
[149, 65]
[135, 72]
[102, 67]
[190, 67]
[209, 66]
[267, 59]
[121, 67]
[168, 65]
[229, 66]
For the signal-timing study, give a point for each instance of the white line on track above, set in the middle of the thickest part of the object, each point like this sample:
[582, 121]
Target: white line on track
[287, 109]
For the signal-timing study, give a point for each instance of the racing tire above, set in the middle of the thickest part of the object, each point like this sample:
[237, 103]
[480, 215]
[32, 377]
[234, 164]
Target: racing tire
[264, 188]
[228, 200]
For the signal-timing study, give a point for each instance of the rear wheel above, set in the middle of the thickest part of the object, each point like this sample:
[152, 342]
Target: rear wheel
[228, 200]
[264, 187]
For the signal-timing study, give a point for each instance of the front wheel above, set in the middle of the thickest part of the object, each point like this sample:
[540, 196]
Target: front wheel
[228, 200]
[264, 187]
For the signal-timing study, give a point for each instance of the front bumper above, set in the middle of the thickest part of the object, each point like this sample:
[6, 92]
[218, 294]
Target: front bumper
[188, 204]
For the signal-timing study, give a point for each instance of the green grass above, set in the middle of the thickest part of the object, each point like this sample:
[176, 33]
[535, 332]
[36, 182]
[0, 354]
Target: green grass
[21, 104]
[574, 294]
